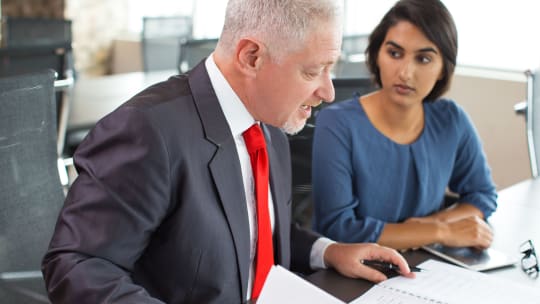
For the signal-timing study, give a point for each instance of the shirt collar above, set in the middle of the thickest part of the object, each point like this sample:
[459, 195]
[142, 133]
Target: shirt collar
[236, 114]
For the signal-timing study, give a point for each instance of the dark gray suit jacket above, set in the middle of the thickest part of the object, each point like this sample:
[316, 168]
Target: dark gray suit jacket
[158, 212]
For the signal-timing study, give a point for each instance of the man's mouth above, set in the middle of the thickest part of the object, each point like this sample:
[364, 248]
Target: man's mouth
[307, 106]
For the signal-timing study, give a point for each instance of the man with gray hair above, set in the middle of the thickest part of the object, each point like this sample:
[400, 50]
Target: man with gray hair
[184, 192]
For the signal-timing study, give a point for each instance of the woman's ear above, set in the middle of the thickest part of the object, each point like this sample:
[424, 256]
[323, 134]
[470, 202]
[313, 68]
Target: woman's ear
[249, 56]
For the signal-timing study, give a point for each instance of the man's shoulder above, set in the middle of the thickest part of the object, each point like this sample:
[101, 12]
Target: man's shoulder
[175, 87]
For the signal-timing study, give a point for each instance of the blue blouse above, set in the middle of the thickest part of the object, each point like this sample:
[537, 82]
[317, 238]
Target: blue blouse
[362, 179]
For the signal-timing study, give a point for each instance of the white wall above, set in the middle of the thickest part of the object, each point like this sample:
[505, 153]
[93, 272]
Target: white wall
[488, 96]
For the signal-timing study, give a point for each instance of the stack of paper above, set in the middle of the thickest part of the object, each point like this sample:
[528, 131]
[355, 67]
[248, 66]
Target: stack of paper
[439, 283]
[446, 283]
[284, 287]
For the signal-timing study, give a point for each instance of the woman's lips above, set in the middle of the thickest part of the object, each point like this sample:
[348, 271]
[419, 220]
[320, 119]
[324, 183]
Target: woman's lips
[403, 89]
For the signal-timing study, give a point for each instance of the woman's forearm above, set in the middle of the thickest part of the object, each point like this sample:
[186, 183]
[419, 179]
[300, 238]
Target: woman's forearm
[461, 225]
[456, 212]
[410, 234]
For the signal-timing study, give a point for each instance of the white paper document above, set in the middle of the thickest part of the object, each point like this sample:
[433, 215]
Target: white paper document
[283, 287]
[446, 283]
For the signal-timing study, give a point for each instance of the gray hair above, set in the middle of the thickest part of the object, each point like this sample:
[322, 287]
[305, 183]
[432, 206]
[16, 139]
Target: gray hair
[282, 25]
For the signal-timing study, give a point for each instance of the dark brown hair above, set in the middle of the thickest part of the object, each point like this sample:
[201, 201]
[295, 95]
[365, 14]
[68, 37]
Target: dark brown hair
[435, 21]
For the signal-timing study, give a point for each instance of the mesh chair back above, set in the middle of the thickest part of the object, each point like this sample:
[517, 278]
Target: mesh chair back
[16, 61]
[25, 31]
[30, 190]
[192, 51]
[36, 44]
[161, 38]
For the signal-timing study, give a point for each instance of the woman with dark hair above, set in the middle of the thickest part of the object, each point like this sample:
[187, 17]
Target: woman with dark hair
[383, 162]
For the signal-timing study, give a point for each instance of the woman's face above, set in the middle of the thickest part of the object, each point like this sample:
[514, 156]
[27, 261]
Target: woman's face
[409, 64]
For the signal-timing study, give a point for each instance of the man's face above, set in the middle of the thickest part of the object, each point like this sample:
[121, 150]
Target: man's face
[286, 91]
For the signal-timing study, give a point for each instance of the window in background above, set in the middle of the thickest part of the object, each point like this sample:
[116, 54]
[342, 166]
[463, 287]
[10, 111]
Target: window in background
[502, 36]
[207, 23]
[208, 18]
[493, 34]
[139, 9]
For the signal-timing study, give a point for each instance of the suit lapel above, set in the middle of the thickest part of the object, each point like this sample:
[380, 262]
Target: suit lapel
[226, 174]
[282, 225]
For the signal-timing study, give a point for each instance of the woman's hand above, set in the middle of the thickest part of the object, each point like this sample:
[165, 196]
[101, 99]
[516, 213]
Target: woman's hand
[470, 231]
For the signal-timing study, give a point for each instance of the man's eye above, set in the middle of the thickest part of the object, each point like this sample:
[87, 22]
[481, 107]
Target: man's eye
[313, 74]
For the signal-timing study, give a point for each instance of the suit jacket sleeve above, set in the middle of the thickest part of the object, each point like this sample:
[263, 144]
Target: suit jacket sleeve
[106, 222]
[301, 244]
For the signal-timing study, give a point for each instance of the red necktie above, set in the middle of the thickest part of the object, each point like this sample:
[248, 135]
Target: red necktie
[264, 258]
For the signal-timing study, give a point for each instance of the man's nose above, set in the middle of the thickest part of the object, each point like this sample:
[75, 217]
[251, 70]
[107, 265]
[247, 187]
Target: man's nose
[326, 91]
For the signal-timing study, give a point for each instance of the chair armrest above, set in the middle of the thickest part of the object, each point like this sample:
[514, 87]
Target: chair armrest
[67, 172]
[520, 108]
[63, 84]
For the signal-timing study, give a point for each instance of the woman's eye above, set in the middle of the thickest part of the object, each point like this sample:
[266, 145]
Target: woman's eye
[424, 59]
[394, 53]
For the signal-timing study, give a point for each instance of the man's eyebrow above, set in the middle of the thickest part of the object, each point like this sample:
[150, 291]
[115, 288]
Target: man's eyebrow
[323, 65]
[422, 50]
[329, 63]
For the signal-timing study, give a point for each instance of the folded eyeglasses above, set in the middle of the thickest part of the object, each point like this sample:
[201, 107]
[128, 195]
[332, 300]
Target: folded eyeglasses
[529, 261]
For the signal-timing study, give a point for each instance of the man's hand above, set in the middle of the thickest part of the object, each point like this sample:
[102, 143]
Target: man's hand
[346, 259]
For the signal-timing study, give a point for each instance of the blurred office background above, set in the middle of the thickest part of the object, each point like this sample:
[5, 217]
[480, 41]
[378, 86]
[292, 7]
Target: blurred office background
[497, 44]
[492, 34]
[105, 51]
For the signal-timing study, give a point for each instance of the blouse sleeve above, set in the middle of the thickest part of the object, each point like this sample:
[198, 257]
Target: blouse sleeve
[471, 175]
[334, 199]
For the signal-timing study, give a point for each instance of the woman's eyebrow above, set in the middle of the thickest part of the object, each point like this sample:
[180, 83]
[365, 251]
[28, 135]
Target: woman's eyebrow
[422, 50]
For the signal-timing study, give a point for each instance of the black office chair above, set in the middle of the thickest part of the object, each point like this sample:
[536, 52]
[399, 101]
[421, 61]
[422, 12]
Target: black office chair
[192, 51]
[161, 38]
[301, 146]
[32, 32]
[35, 44]
[531, 110]
[30, 190]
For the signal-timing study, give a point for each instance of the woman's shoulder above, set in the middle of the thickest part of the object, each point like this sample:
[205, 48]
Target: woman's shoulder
[342, 105]
[445, 109]
[446, 115]
[340, 109]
